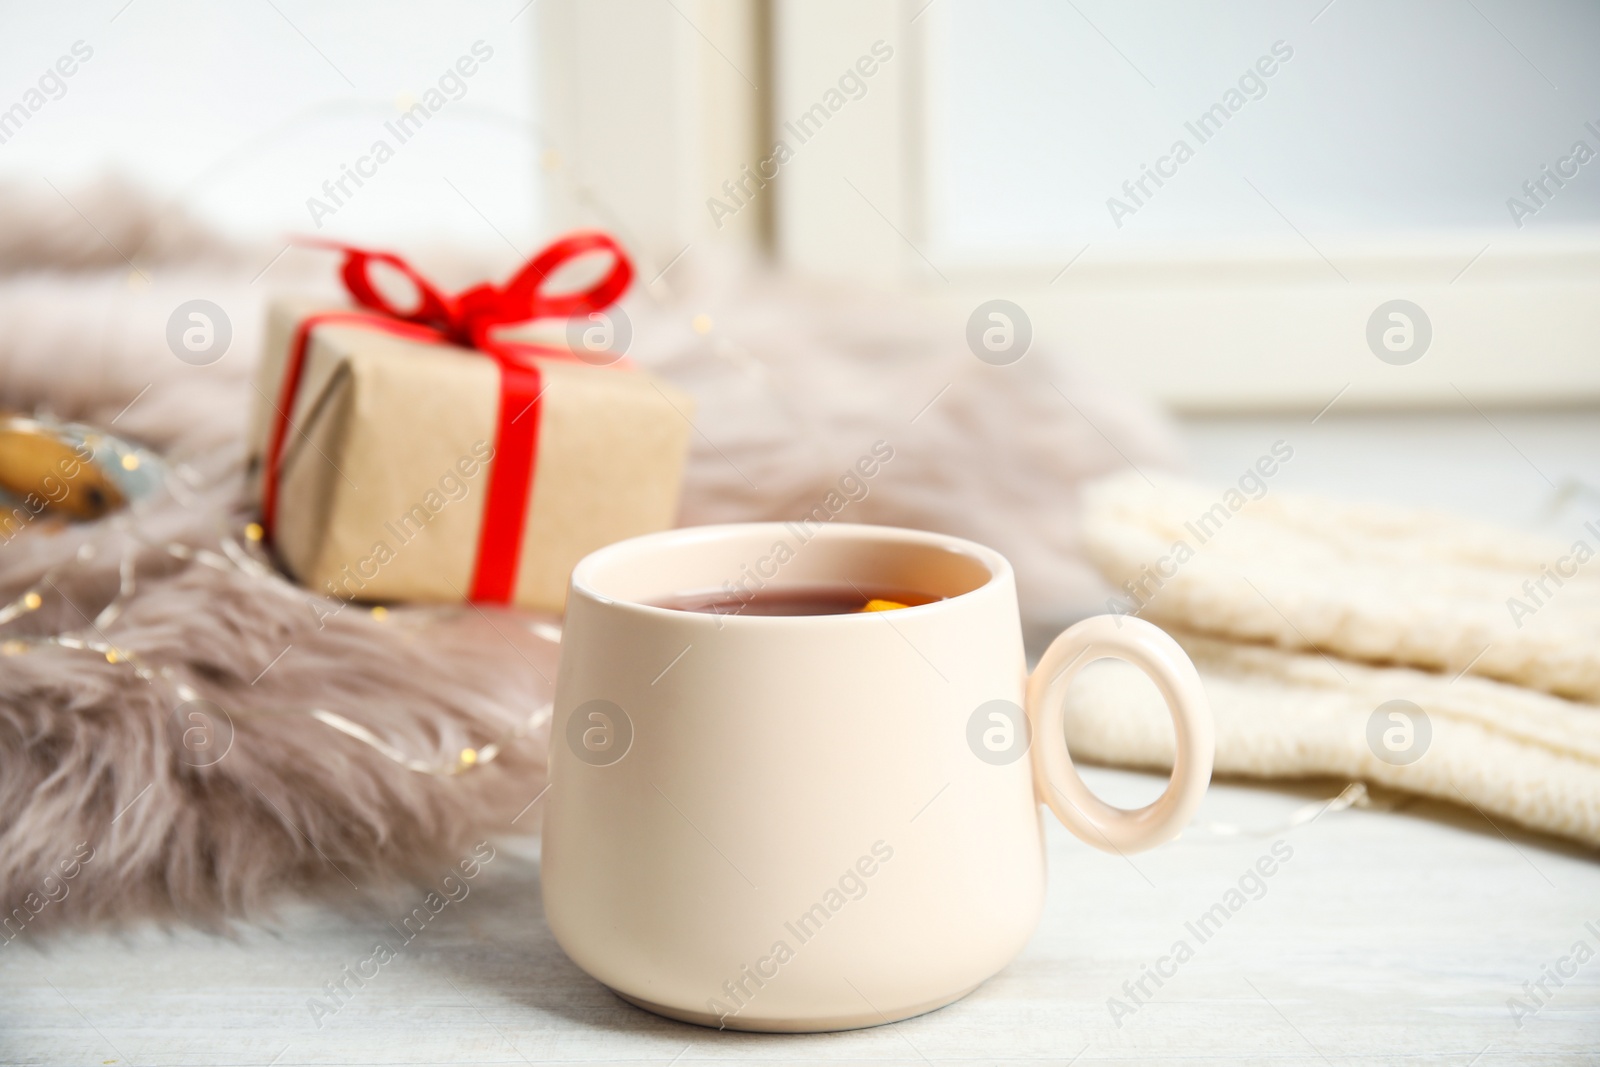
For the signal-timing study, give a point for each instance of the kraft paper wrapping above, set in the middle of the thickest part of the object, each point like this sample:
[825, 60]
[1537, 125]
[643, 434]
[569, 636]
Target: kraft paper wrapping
[382, 489]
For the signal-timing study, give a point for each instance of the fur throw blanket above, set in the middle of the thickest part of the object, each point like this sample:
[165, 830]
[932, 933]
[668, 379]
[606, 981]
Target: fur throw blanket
[322, 717]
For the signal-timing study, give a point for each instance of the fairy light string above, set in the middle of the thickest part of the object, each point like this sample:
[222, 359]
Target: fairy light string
[241, 556]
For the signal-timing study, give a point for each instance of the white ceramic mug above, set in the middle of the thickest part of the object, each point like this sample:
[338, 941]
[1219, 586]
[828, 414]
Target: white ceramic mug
[821, 822]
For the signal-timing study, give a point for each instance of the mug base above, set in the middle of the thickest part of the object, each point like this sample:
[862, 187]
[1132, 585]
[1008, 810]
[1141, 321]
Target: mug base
[818, 1025]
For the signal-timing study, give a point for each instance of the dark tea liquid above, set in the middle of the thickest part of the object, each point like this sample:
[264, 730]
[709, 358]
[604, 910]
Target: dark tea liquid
[813, 599]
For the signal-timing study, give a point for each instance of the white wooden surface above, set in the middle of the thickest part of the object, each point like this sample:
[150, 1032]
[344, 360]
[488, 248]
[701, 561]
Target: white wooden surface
[1388, 937]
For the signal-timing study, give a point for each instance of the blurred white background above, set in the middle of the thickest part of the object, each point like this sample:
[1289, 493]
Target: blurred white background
[1387, 117]
[240, 112]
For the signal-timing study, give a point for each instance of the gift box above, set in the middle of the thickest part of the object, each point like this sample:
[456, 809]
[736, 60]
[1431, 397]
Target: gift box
[418, 456]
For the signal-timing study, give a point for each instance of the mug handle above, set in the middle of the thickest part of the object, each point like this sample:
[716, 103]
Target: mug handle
[1150, 649]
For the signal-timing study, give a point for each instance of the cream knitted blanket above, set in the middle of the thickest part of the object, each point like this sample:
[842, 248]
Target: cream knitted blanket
[1382, 617]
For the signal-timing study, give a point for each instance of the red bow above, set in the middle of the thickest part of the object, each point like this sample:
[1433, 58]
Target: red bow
[468, 319]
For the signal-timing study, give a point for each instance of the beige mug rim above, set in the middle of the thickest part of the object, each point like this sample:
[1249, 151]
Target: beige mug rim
[584, 581]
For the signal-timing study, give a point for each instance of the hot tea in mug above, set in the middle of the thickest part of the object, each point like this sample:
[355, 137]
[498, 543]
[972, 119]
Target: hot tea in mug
[814, 598]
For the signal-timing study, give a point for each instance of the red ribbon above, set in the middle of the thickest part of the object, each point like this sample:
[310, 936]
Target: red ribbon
[468, 319]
